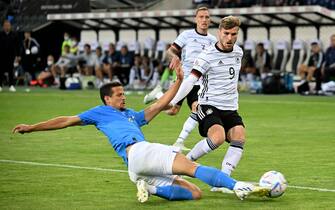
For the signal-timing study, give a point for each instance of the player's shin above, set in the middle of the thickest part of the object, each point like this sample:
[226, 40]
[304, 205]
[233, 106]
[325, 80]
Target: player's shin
[233, 156]
[201, 148]
[173, 193]
[188, 126]
[214, 177]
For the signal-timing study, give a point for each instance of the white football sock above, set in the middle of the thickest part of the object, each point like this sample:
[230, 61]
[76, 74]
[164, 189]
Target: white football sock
[152, 189]
[200, 149]
[232, 158]
[188, 126]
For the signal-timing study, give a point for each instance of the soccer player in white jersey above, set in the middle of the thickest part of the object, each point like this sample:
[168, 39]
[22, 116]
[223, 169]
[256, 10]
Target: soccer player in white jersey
[219, 66]
[185, 49]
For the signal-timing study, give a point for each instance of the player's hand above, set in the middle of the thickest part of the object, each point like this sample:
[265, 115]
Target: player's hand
[22, 128]
[175, 62]
[173, 110]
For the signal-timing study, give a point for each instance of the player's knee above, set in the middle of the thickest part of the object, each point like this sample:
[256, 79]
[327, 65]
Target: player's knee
[216, 134]
[194, 106]
[219, 141]
[196, 194]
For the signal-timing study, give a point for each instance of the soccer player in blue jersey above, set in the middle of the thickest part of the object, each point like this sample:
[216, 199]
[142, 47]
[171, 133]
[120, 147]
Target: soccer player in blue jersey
[153, 167]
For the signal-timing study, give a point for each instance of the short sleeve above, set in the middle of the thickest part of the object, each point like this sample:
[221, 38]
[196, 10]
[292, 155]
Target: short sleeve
[87, 117]
[181, 40]
[201, 64]
[140, 118]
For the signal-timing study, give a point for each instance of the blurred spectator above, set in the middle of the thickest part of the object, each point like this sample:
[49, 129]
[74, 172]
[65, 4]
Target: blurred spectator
[110, 61]
[74, 45]
[138, 77]
[66, 63]
[66, 41]
[167, 78]
[262, 61]
[87, 61]
[158, 69]
[313, 68]
[98, 66]
[329, 65]
[46, 76]
[20, 76]
[125, 63]
[29, 56]
[9, 50]
[248, 71]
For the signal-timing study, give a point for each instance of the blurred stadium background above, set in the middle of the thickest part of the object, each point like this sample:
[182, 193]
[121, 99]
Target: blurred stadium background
[147, 26]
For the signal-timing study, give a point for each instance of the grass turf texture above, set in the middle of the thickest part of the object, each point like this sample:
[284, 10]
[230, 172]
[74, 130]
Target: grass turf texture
[289, 133]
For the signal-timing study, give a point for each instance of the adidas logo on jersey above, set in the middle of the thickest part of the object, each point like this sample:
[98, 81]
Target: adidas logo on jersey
[195, 40]
[220, 62]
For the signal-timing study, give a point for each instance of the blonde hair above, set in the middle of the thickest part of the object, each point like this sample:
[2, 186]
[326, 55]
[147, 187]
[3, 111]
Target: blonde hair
[229, 22]
[201, 9]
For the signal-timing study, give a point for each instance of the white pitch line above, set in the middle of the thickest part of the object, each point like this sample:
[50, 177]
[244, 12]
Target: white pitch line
[63, 166]
[124, 171]
[311, 188]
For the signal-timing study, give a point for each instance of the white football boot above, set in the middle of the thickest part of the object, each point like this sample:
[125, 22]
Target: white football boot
[244, 189]
[142, 191]
[153, 95]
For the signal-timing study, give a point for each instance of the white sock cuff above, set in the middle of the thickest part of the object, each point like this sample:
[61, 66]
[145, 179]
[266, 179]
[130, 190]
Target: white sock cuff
[237, 143]
[211, 144]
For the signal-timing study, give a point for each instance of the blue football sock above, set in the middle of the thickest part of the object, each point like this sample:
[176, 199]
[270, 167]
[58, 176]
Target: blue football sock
[214, 177]
[174, 193]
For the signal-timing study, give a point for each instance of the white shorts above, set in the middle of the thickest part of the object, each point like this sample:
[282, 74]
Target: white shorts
[152, 162]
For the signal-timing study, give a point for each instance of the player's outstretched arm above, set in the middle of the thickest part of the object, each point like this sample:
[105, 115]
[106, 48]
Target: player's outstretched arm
[151, 111]
[52, 124]
[186, 87]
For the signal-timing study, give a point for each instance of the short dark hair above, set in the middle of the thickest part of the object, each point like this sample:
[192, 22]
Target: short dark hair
[106, 90]
[260, 44]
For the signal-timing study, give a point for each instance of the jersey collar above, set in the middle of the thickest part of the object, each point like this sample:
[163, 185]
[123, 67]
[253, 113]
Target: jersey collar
[199, 32]
[220, 50]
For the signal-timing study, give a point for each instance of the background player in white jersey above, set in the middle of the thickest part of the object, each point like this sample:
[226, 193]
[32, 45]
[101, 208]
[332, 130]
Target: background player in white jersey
[185, 50]
[219, 66]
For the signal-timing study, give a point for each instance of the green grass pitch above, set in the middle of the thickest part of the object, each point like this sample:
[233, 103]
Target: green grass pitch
[289, 133]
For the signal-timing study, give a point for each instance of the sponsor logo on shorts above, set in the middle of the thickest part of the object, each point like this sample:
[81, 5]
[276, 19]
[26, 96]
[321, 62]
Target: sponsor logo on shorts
[209, 111]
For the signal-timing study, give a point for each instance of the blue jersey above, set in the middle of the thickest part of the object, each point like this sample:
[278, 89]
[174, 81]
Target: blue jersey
[121, 127]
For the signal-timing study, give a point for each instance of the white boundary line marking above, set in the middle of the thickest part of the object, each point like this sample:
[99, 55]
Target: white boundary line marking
[63, 166]
[124, 171]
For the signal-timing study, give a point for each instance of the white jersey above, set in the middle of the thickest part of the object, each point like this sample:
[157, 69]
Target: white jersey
[220, 72]
[192, 43]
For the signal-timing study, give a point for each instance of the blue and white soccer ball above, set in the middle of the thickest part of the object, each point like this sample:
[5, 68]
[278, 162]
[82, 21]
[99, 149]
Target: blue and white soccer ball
[275, 181]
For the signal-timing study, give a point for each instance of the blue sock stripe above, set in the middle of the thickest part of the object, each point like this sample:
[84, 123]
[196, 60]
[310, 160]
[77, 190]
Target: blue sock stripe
[174, 193]
[214, 177]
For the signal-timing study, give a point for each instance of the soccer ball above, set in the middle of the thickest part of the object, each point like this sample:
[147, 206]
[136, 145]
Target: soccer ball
[275, 181]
